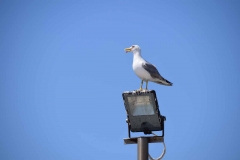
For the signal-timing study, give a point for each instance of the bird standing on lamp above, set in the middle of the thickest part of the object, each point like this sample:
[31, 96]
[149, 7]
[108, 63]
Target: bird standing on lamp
[145, 70]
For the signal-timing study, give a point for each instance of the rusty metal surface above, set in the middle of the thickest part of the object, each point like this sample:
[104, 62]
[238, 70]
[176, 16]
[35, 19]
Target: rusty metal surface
[153, 139]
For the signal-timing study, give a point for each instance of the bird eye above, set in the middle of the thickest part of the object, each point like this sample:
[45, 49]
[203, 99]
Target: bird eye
[132, 46]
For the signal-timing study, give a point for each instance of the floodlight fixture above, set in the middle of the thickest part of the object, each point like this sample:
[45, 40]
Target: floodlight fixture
[143, 114]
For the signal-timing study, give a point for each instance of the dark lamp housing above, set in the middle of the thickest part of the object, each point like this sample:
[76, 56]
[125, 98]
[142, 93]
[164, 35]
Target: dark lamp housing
[143, 111]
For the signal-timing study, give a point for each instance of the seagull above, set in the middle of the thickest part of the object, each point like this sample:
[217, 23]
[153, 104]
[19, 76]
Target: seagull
[145, 70]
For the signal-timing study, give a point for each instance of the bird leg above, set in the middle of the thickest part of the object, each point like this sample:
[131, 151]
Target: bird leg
[147, 85]
[141, 85]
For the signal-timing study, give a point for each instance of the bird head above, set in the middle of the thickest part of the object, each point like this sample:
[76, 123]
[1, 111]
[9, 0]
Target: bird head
[133, 48]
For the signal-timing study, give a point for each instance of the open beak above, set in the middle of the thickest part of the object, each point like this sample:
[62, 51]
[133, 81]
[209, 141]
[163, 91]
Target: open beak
[128, 49]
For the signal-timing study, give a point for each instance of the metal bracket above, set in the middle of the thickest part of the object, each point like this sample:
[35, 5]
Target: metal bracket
[129, 133]
[163, 118]
[152, 139]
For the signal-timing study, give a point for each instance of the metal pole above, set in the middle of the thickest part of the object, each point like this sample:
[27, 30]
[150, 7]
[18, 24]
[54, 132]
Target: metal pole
[142, 148]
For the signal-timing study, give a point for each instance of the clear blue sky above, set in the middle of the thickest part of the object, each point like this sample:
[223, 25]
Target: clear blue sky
[63, 70]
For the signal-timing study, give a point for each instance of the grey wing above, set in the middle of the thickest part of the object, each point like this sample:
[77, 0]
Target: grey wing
[155, 74]
[152, 70]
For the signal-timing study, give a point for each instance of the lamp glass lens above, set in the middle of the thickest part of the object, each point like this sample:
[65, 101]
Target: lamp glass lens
[140, 105]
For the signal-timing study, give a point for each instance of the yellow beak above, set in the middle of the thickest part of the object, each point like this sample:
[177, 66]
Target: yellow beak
[128, 49]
